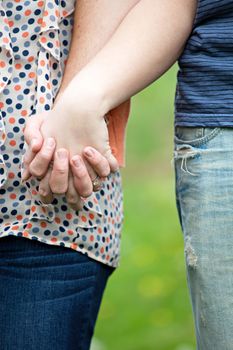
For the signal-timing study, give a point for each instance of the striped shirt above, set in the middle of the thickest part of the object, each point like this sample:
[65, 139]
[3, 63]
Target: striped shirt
[204, 92]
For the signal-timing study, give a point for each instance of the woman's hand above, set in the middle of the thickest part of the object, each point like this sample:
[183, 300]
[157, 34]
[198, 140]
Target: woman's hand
[72, 132]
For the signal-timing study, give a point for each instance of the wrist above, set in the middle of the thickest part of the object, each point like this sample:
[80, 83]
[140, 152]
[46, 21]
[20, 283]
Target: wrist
[82, 95]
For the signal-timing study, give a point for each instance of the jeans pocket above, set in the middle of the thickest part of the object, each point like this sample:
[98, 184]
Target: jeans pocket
[195, 136]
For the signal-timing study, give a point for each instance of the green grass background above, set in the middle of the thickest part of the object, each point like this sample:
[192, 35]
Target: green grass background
[146, 303]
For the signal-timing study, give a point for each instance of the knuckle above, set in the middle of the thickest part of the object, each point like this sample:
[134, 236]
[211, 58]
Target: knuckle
[60, 171]
[35, 171]
[45, 155]
[57, 188]
[104, 172]
[26, 158]
[81, 173]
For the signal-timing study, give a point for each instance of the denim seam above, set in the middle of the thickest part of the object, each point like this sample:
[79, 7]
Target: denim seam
[200, 141]
[88, 309]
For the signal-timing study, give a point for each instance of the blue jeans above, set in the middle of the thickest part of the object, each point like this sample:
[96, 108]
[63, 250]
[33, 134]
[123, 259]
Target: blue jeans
[203, 159]
[49, 295]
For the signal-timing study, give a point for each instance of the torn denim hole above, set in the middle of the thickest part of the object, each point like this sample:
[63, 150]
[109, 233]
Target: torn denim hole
[190, 253]
[184, 152]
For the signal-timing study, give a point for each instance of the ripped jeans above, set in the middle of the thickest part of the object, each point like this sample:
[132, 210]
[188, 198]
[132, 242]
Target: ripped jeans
[203, 160]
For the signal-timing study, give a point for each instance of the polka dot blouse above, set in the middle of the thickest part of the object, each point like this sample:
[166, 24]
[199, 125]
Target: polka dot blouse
[34, 44]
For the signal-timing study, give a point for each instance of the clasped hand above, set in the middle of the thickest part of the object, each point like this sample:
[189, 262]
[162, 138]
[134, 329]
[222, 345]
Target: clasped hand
[67, 149]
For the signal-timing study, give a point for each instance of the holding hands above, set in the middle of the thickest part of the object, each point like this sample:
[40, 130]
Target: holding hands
[68, 150]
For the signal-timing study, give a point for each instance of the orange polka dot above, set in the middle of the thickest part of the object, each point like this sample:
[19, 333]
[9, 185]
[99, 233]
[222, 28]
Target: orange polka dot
[69, 216]
[73, 246]
[12, 195]
[27, 12]
[31, 58]
[12, 142]
[2, 64]
[25, 234]
[64, 13]
[17, 87]
[11, 175]
[18, 66]
[39, 21]
[43, 39]
[70, 232]
[14, 228]
[43, 224]
[57, 220]
[53, 239]
[5, 40]
[83, 218]
[24, 112]
[31, 75]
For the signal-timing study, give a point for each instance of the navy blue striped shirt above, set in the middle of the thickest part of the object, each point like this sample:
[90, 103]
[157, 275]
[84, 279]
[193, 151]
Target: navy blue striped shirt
[204, 93]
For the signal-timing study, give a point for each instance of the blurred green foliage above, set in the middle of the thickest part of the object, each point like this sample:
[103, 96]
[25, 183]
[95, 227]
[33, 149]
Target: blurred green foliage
[146, 303]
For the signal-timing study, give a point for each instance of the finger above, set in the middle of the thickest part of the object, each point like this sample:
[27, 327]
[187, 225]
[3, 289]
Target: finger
[113, 163]
[93, 176]
[72, 197]
[82, 181]
[98, 162]
[32, 132]
[59, 177]
[26, 160]
[39, 165]
[46, 195]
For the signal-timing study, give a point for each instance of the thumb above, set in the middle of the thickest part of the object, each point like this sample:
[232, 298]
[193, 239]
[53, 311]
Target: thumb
[32, 132]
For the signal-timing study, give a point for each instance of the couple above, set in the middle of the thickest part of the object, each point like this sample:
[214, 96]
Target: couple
[78, 70]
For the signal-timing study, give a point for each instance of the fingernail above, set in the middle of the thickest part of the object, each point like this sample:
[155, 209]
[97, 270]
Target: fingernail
[43, 193]
[77, 162]
[62, 154]
[50, 142]
[89, 152]
[23, 175]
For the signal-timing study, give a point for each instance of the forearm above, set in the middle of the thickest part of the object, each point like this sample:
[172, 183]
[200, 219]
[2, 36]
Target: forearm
[94, 24]
[146, 43]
